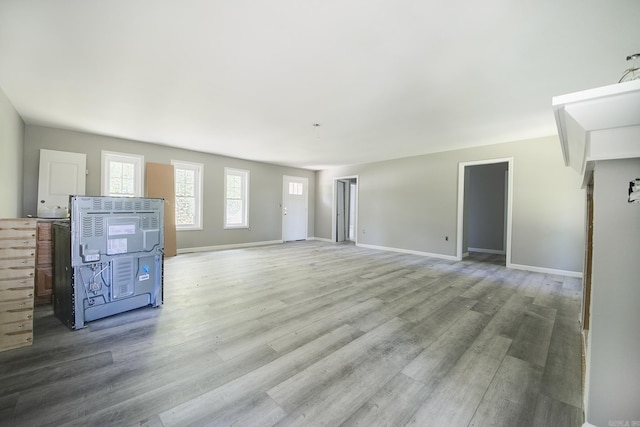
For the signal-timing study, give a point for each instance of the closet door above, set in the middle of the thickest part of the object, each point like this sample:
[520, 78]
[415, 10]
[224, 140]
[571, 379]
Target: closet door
[61, 174]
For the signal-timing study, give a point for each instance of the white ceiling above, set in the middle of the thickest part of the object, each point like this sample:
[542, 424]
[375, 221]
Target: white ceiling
[248, 79]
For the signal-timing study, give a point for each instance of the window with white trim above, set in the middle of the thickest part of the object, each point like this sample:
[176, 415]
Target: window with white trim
[236, 199]
[122, 174]
[188, 191]
[296, 188]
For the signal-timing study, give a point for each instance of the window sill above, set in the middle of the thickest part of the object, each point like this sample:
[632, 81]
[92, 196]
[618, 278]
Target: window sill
[194, 228]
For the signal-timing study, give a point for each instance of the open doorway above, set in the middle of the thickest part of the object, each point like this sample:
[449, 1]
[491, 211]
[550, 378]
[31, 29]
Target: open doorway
[345, 209]
[484, 210]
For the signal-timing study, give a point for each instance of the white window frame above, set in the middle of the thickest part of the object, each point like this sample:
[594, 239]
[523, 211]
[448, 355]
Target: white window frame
[244, 174]
[198, 169]
[138, 162]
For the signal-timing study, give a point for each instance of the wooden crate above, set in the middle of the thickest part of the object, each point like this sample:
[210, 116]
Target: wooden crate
[44, 263]
[17, 272]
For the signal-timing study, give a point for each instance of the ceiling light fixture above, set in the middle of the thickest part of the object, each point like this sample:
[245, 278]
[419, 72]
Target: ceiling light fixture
[632, 73]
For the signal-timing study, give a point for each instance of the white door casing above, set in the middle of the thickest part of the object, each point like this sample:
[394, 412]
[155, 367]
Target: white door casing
[334, 208]
[509, 204]
[351, 235]
[61, 174]
[340, 212]
[295, 203]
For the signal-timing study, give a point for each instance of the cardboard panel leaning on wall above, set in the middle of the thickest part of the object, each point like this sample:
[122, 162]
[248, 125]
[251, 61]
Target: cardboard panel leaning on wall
[411, 203]
[11, 140]
[159, 182]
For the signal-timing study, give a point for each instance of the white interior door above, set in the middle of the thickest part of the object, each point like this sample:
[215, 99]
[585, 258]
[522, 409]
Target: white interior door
[295, 202]
[61, 174]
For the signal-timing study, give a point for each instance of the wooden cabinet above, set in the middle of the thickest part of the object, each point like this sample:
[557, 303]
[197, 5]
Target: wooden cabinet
[44, 263]
[17, 262]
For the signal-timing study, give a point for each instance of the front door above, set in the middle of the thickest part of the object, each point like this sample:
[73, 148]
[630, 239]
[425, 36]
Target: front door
[295, 202]
[61, 174]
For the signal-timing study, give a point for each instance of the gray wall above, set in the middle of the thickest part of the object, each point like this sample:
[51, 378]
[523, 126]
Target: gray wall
[11, 137]
[485, 194]
[411, 203]
[265, 183]
[614, 362]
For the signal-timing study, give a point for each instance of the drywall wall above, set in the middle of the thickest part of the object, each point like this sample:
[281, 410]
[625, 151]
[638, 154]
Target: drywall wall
[485, 215]
[265, 218]
[11, 137]
[411, 203]
[614, 348]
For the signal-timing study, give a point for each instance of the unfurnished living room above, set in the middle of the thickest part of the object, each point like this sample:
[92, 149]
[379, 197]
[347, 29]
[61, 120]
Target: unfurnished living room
[243, 213]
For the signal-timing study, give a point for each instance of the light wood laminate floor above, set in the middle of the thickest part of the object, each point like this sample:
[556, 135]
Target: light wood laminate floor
[312, 333]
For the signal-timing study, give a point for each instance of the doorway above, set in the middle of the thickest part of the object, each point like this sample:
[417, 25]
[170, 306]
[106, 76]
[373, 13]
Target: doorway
[485, 190]
[345, 209]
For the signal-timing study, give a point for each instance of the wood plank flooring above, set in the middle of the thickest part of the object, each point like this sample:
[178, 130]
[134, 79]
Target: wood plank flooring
[312, 333]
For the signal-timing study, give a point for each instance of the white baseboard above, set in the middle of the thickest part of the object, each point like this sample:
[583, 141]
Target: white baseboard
[321, 239]
[546, 270]
[586, 424]
[487, 251]
[224, 247]
[381, 248]
[408, 251]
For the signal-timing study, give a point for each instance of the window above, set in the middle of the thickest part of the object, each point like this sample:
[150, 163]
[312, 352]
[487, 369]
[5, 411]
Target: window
[122, 174]
[236, 203]
[188, 185]
[295, 188]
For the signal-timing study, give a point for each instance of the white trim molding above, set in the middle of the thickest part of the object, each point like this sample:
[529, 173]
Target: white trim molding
[408, 251]
[509, 213]
[485, 251]
[244, 197]
[197, 169]
[334, 192]
[567, 273]
[137, 160]
[225, 247]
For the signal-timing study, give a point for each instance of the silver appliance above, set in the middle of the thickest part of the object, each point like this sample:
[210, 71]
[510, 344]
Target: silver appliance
[108, 258]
